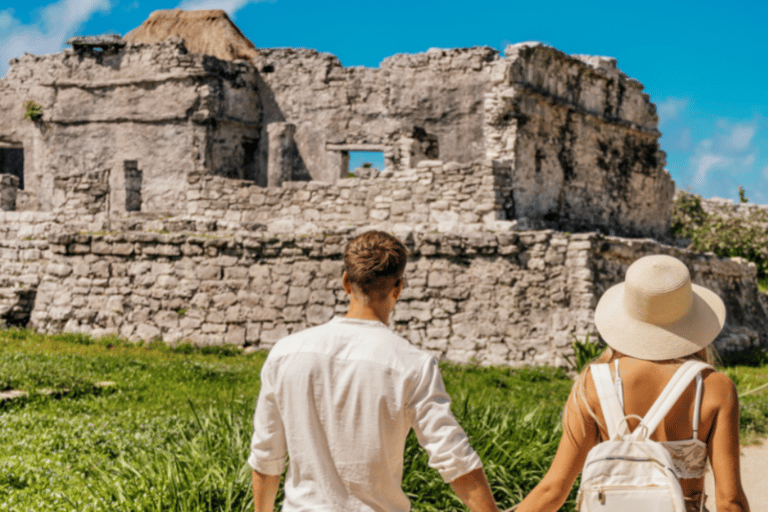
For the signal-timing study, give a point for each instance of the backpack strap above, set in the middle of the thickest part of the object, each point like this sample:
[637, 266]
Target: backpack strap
[697, 405]
[669, 396]
[613, 413]
[619, 386]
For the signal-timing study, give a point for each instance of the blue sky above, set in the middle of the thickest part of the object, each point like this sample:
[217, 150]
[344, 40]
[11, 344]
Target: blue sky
[703, 63]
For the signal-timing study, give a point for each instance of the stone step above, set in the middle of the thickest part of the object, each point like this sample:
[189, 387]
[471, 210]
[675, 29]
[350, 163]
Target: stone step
[13, 394]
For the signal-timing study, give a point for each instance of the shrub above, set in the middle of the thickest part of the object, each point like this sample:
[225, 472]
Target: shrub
[721, 232]
[742, 195]
[584, 352]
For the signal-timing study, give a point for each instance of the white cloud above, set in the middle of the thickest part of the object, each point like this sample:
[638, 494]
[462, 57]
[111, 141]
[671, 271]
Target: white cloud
[730, 150]
[704, 163]
[670, 109]
[229, 6]
[6, 19]
[741, 136]
[47, 34]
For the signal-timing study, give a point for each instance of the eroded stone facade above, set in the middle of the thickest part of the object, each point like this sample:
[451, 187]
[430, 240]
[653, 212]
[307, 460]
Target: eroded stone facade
[572, 140]
[172, 112]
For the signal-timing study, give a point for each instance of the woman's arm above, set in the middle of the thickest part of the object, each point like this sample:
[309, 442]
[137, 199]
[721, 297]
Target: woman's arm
[580, 434]
[723, 446]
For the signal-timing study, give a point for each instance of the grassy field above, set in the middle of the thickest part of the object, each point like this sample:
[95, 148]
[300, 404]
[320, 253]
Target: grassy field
[172, 433]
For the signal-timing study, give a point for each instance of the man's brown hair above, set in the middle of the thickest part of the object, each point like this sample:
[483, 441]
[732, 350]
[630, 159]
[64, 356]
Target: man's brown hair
[375, 262]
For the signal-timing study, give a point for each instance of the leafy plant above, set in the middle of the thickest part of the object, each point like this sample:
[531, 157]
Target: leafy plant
[33, 111]
[722, 232]
[584, 352]
[367, 165]
[742, 195]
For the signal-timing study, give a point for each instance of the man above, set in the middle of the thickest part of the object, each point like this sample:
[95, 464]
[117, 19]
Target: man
[340, 399]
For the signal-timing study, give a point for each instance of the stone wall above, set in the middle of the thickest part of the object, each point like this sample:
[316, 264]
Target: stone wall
[446, 197]
[440, 92]
[503, 298]
[580, 143]
[171, 112]
[749, 212]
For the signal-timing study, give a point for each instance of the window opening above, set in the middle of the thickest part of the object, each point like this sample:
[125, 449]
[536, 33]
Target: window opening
[133, 178]
[12, 162]
[365, 164]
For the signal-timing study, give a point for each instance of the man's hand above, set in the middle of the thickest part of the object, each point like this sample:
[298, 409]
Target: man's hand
[264, 491]
[474, 491]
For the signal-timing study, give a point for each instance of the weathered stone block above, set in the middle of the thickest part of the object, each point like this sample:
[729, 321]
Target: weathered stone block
[166, 320]
[146, 332]
[271, 336]
[161, 250]
[235, 335]
[293, 313]
[401, 207]
[298, 295]
[318, 314]
[211, 328]
[209, 272]
[224, 300]
[59, 269]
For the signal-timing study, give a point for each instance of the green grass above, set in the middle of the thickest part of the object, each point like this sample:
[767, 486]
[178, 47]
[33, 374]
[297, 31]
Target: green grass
[79, 450]
[173, 433]
[762, 284]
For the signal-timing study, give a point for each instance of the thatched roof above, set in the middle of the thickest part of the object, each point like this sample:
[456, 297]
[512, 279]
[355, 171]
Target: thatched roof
[210, 32]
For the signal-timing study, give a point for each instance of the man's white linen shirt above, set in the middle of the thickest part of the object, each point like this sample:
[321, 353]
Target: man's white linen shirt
[340, 398]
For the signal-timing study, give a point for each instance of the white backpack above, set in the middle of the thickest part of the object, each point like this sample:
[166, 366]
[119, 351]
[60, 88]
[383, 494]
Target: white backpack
[630, 472]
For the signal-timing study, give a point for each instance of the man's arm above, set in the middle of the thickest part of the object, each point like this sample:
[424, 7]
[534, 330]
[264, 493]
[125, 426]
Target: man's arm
[268, 445]
[445, 441]
[474, 491]
[264, 491]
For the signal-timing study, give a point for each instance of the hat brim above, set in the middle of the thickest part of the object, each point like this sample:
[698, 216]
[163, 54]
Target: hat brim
[654, 342]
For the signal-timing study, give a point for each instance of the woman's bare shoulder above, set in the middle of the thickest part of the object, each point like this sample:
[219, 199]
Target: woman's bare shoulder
[718, 384]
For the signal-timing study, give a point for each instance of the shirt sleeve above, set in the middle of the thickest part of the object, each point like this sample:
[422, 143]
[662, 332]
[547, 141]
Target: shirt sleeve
[268, 446]
[436, 427]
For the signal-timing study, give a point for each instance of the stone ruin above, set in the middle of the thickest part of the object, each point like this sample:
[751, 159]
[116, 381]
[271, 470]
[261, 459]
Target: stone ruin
[168, 193]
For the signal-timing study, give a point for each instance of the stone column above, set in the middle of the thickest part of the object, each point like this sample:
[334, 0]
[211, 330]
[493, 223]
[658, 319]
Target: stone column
[282, 150]
[9, 184]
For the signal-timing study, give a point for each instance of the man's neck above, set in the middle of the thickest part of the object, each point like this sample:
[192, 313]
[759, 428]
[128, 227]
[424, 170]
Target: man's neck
[371, 311]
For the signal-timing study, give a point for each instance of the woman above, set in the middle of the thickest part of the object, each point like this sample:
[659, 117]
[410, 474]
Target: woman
[653, 322]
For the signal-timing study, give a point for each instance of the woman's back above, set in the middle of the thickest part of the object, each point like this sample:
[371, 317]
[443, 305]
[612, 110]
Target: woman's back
[643, 382]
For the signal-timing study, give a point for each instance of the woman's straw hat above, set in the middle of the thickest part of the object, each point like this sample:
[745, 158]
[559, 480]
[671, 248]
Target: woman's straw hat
[657, 313]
